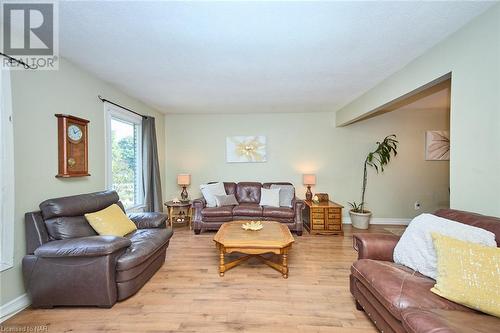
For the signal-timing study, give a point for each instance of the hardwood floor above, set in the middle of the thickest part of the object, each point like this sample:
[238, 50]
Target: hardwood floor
[187, 294]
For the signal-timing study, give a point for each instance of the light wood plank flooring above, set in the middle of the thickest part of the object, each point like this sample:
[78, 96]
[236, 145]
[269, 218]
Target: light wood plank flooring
[187, 294]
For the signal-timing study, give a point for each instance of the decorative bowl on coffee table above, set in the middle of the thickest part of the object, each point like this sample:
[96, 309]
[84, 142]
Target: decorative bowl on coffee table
[252, 225]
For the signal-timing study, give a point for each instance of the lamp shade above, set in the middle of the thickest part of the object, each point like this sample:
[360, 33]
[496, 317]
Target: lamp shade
[309, 179]
[183, 179]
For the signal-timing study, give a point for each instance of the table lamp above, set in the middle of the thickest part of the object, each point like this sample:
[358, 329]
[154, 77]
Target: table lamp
[184, 179]
[308, 180]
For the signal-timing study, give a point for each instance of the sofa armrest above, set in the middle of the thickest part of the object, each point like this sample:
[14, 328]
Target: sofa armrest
[297, 204]
[375, 246]
[92, 246]
[199, 203]
[148, 220]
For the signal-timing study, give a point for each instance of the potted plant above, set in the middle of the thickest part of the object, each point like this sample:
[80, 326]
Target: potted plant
[380, 157]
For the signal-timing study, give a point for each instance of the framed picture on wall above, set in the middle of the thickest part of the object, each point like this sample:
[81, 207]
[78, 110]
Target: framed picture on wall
[437, 145]
[246, 149]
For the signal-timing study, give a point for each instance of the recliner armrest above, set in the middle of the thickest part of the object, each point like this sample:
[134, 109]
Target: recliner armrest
[148, 220]
[92, 246]
[375, 246]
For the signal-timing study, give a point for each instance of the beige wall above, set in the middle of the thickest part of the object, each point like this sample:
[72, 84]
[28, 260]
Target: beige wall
[472, 55]
[310, 143]
[36, 97]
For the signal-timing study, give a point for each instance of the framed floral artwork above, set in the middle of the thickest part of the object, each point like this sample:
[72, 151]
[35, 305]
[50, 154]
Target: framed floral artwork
[437, 145]
[246, 149]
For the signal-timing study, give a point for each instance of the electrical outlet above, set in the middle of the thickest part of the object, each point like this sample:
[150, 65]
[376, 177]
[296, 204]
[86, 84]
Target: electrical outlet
[417, 205]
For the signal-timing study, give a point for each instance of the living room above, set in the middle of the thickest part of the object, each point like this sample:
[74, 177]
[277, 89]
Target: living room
[191, 118]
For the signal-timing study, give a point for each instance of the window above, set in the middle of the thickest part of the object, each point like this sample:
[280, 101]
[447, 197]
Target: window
[6, 173]
[124, 155]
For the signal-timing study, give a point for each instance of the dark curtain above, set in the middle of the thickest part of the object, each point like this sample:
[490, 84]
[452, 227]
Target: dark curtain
[150, 167]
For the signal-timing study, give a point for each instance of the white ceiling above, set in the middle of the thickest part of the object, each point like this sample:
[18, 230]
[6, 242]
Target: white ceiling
[234, 57]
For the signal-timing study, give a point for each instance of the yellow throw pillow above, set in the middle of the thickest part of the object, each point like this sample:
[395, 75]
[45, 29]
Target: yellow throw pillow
[468, 274]
[111, 221]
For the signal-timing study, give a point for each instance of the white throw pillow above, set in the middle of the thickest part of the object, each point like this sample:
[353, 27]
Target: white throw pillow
[287, 193]
[209, 192]
[416, 250]
[270, 197]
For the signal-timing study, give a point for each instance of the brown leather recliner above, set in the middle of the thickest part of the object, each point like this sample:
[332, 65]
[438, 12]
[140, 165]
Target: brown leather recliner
[69, 264]
[398, 299]
[248, 196]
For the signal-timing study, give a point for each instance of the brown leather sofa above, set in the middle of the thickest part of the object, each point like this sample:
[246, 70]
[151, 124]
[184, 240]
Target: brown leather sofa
[398, 299]
[248, 196]
[69, 264]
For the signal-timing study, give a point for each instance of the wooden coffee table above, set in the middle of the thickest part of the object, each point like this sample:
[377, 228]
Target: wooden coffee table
[273, 238]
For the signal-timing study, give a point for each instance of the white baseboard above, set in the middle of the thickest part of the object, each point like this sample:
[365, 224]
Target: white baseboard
[381, 220]
[16, 305]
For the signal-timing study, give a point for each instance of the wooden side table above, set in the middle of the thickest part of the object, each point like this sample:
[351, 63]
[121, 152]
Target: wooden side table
[323, 218]
[180, 210]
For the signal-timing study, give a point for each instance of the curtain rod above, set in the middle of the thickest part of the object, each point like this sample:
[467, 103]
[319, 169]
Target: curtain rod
[120, 106]
[11, 60]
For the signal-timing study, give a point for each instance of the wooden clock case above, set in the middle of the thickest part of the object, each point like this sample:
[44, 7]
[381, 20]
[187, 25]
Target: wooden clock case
[73, 155]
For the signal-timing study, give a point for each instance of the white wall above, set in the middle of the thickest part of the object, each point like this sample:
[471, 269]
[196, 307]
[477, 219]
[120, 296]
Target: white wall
[472, 55]
[300, 143]
[36, 97]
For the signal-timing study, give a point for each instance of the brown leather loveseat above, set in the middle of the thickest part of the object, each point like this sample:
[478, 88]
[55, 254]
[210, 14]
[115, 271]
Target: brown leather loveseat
[398, 299]
[248, 196]
[69, 264]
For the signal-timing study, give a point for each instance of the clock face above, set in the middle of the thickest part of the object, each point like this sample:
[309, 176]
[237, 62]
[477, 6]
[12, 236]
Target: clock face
[75, 133]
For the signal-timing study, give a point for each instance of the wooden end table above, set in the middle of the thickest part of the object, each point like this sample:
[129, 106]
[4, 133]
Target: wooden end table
[273, 238]
[323, 218]
[173, 206]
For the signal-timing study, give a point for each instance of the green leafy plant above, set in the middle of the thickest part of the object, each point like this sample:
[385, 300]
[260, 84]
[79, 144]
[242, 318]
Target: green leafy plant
[378, 159]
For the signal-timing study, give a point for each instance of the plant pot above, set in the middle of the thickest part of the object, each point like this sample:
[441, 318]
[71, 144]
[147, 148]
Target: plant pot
[360, 220]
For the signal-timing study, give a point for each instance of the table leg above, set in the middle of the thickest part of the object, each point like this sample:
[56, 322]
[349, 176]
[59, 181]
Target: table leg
[170, 216]
[222, 268]
[285, 265]
[190, 218]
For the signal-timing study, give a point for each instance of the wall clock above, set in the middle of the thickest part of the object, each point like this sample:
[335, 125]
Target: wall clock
[73, 146]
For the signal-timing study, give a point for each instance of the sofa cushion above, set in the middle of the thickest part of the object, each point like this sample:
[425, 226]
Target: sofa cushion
[489, 223]
[446, 321]
[248, 192]
[230, 188]
[217, 219]
[68, 227]
[252, 210]
[64, 218]
[398, 287]
[78, 205]
[278, 212]
[224, 211]
[145, 242]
